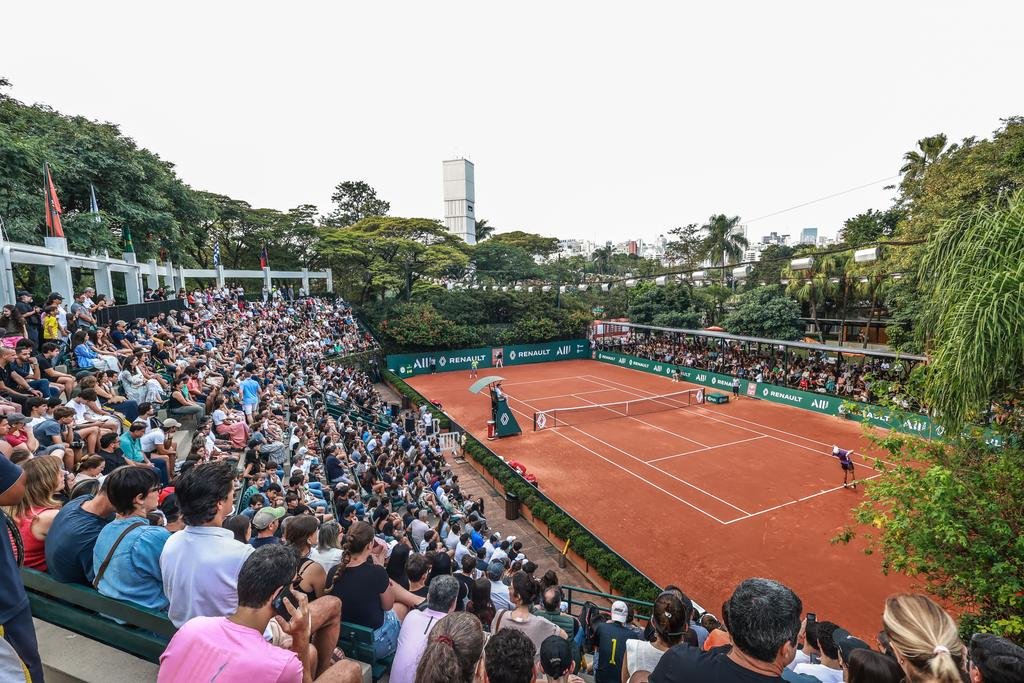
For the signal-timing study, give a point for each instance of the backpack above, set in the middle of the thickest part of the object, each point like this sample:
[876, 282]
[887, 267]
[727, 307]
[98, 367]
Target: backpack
[590, 617]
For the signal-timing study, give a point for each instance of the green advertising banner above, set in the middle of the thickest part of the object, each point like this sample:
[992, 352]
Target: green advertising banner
[521, 354]
[409, 364]
[878, 416]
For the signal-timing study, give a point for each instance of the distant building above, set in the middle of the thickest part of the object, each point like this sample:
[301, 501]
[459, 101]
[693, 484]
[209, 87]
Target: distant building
[809, 236]
[632, 249]
[459, 198]
[775, 238]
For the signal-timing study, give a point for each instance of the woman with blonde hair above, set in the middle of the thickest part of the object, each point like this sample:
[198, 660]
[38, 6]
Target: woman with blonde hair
[924, 639]
[453, 651]
[35, 513]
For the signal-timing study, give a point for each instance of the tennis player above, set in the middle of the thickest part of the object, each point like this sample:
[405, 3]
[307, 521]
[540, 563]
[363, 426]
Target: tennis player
[847, 464]
[473, 365]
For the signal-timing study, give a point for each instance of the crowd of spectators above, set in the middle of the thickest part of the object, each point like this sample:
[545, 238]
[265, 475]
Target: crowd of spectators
[854, 379]
[302, 498]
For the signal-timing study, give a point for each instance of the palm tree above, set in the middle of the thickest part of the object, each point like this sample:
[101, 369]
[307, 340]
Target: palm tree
[813, 287]
[931, 148]
[973, 269]
[723, 244]
[483, 231]
[601, 258]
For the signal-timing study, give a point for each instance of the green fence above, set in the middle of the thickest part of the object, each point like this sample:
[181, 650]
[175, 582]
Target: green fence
[409, 364]
[877, 416]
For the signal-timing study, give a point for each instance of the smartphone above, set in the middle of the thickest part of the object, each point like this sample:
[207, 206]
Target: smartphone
[811, 618]
[280, 608]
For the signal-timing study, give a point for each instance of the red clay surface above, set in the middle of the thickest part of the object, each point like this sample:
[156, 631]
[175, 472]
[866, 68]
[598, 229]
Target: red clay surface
[701, 496]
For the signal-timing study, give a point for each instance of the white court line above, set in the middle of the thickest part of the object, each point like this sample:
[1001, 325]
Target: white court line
[704, 412]
[708, 448]
[627, 471]
[653, 426]
[642, 462]
[798, 500]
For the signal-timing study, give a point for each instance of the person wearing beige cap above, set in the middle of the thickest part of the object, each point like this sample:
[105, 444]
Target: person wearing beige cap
[265, 522]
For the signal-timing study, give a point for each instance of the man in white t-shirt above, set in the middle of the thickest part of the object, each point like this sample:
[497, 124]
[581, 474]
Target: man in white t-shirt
[829, 670]
[160, 442]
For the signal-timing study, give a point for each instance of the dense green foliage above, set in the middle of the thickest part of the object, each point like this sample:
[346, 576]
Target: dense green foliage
[950, 515]
[764, 312]
[974, 312]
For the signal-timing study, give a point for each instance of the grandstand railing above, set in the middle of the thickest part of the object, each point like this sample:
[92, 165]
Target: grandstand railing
[576, 596]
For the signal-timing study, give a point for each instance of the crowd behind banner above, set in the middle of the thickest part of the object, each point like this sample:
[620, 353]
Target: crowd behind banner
[815, 371]
[212, 463]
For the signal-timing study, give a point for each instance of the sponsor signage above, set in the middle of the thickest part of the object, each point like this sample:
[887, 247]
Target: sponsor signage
[407, 365]
[877, 416]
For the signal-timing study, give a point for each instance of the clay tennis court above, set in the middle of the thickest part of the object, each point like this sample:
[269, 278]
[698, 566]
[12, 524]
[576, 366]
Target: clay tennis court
[701, 496]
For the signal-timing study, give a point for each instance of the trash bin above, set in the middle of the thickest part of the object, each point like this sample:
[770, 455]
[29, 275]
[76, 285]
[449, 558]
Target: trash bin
[512, 506]
[490, 430]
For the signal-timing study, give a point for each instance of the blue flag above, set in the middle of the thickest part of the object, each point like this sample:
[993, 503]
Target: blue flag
[93, 206]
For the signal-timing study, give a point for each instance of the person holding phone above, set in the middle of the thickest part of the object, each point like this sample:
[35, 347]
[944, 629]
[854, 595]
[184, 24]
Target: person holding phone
[233, 648]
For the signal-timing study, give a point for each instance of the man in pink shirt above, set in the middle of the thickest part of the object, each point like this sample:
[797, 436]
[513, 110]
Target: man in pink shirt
[233, 649]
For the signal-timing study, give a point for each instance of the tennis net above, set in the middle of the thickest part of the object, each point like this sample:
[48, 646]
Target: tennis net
[576, 415]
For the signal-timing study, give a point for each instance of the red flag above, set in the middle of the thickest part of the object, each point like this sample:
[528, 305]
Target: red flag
[264, 260]
[53, 210]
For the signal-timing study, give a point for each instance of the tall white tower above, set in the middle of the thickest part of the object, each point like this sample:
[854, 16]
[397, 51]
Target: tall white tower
[459, 198]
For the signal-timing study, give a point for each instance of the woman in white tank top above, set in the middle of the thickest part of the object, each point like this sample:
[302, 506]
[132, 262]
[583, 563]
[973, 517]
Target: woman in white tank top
[671, 621]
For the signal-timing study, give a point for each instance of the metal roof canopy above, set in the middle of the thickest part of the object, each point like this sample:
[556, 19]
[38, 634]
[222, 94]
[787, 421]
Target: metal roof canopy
[778, 342]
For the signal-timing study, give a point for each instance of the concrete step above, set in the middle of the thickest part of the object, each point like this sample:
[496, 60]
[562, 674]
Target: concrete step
[68, 658]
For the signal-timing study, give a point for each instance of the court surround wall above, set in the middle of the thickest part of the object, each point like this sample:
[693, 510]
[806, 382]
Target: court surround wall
[409, 364]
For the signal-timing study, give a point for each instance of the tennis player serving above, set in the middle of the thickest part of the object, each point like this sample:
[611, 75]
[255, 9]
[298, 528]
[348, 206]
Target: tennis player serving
[847, 464]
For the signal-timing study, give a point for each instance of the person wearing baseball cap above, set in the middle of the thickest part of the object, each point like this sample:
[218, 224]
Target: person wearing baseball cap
[611, 637]
[266, 523]
[556, 660]
[847, 644]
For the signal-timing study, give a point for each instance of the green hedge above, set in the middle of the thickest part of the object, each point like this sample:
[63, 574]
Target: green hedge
[622, 576]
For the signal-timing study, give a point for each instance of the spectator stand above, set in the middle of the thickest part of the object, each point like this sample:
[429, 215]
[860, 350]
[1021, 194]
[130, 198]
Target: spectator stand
[784, 363]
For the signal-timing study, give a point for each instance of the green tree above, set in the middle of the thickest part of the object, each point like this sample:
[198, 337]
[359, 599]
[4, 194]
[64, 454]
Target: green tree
[812, 286]
[685, 248]
[973, 272]
[415, 326]
[391, 254]
[949, 514]
[601, 259]
[353, 201]
[483, 230]
[768, 269]
[502, 262]
[137, 191]
[533, 244]
[722, 244]
[916, 161]
[870, 226]
[764, 312]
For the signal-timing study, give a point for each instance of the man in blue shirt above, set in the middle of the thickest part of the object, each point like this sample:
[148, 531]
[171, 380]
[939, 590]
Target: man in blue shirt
[251, 392]
[610, 642]
[132, 559]
[73, 535]
[15, 617]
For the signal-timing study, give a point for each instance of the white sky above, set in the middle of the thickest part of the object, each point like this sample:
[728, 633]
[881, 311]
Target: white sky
[606, 120]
